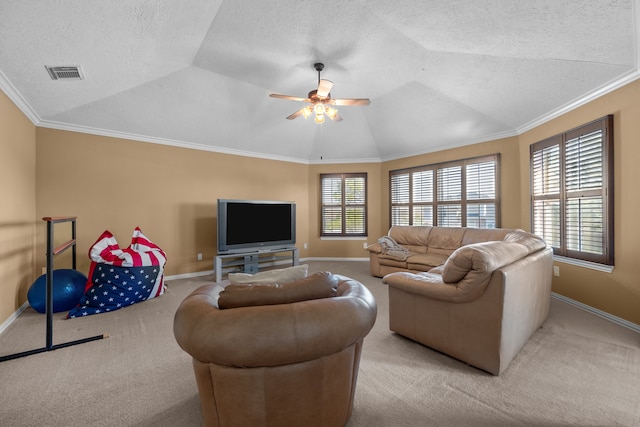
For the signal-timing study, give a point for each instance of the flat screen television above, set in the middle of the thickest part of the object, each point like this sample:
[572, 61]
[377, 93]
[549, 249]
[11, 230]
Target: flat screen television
[254, 225]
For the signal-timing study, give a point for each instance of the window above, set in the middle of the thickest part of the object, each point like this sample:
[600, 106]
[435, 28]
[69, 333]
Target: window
[343, 205]
[572, 192]
[463, 193]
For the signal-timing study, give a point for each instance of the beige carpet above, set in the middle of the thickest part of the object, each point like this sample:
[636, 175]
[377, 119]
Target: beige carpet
[577, 370]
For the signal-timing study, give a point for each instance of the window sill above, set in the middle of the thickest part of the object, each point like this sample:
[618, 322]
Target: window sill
[585, 264]
[343, 238]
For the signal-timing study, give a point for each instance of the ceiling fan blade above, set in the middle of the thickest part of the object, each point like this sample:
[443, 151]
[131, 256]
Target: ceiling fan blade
[324, 87]
[291, 98]
[296, 114]
[336, 117]
[351, 101]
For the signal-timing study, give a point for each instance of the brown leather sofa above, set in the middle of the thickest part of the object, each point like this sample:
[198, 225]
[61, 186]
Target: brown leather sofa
[475, 294]
[281, 364]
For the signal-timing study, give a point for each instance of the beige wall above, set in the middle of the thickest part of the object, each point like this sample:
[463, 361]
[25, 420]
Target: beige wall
[170, 192]
[617, 293]
[17, 208]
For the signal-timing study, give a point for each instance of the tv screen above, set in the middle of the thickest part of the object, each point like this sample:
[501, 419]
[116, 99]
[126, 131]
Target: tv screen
[252, 225]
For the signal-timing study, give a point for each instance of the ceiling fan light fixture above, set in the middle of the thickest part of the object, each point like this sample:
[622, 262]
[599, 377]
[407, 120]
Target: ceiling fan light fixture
[320, 99]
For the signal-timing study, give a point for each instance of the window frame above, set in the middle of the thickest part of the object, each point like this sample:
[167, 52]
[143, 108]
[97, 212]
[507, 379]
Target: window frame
[565, 196]
[344, 205]
[438, 204]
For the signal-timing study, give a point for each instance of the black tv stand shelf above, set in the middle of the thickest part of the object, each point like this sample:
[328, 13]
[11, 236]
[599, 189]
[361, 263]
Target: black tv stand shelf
[249, 262]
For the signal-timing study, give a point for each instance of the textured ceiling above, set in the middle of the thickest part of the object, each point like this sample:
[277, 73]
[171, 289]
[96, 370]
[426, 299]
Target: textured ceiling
[198, 73]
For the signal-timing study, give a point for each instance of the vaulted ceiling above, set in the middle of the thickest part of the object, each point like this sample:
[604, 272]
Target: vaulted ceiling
[198, 73]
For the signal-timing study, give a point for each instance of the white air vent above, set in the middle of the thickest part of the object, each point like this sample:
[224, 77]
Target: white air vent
[73, 72]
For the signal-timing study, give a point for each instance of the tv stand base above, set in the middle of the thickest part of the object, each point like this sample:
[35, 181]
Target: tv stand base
[249, 262]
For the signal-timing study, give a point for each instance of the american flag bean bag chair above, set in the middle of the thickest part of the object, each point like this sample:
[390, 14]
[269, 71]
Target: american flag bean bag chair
[121, 277]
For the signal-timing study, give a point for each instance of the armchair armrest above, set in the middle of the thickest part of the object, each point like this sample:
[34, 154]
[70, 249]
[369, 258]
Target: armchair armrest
[274, 335]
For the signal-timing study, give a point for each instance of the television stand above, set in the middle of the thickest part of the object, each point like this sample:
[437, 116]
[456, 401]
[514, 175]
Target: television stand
[249, 262]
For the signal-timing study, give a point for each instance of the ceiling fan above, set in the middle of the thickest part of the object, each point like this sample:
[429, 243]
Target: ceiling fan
[321, 101]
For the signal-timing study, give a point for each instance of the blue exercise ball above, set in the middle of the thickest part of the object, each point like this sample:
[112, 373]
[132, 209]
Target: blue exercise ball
[68, 288]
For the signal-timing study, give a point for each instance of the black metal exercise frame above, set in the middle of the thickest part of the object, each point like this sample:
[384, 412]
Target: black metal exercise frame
[51, 252]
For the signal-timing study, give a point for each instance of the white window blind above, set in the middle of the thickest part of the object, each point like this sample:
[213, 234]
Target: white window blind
[481, 192]
[572, 193]
[546, 193]
[454, 194]
[584, 179]
[422, 197]
[400, 198]
[344, 204]
[450, 196]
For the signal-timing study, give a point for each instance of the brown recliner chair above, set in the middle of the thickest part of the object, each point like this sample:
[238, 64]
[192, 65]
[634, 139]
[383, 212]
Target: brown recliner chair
[282, 364]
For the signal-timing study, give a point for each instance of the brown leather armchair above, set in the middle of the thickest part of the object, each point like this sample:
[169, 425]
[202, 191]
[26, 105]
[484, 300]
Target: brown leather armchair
[293, 364]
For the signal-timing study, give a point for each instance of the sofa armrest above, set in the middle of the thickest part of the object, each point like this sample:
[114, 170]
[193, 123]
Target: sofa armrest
[484, 257]
[466, 272]
[426, 284]
[375, 248]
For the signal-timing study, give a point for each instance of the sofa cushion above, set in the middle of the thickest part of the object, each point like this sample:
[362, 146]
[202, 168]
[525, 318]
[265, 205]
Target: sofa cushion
[426, 261]
[411, 236]
[445, 238]
[478, 235]
[281, 275]
[391, 262]
[315, 286]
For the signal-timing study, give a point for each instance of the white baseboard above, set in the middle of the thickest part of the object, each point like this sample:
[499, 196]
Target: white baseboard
[266, 264]
[610, 317]
[187, 275]
[13, 317]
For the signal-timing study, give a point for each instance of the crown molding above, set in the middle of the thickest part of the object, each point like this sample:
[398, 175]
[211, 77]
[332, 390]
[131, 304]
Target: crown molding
[163, 141]
[344, 161]
[13, 94]
[190, 145]
[583, 100]
[488, 138]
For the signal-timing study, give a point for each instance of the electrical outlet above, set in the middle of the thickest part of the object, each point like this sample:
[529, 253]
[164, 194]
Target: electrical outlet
[364, 245]
[199, 256]
[556, 271]
[305, 246]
